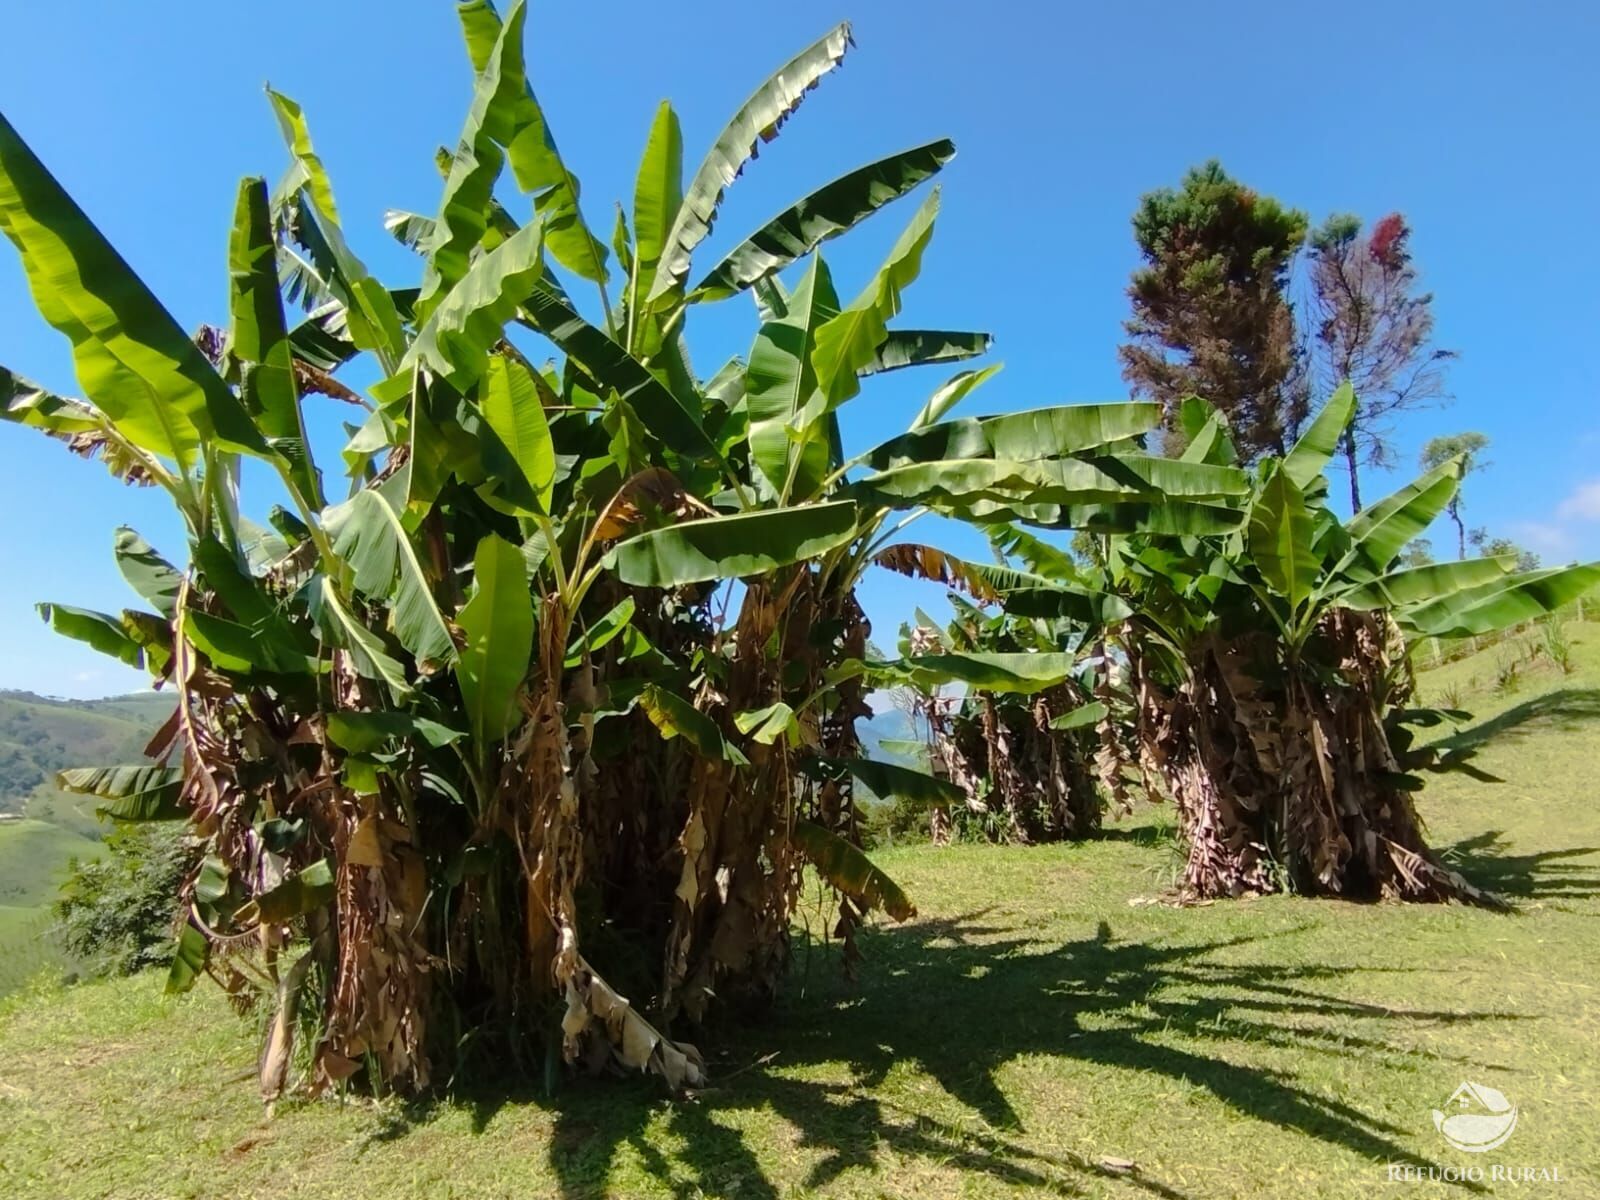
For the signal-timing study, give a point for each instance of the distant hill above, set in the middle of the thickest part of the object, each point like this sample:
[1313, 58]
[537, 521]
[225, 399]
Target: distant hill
[40, 736]
[887, 724]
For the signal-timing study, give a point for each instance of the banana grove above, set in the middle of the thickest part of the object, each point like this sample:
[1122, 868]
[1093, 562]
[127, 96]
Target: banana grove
[506, 731]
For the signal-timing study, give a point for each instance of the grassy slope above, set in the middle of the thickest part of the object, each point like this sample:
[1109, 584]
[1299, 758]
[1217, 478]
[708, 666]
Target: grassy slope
[1038, 1016]
[33, 857]
[33, 860]
[39, 737]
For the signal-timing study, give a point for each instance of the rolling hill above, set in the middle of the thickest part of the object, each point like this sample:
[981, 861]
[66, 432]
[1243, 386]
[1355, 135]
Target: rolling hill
[40, 736]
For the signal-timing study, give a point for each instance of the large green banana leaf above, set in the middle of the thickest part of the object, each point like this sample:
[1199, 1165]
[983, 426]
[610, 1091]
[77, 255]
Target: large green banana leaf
[134, 793]
[1207, 431]
[849, 341]
[734, 546]
[1037, 555]
[1503, 603]
[832, 209]
[369, 536]
[1278, 536]
[990, 672]
[338, 627]
[325, 268]
[457, 335]
[513, 410]
[258, 339]
[26, 403]
[607, 363]
[99, 630]
[925, 347]
[535, 162]
[951, 393]
[1379, 531]
[657, 197]
[133, 361]
[780, 379]
[1400, 590]
[498, 624]
[243, 650]
[1175, 518]
[673, 716]
[469, 186]
[1062, 481]
[1309, 456]
[155, 579]
[892, 780]
[307, 171]
[759, 118]
[1081, 605]
[1022, 436]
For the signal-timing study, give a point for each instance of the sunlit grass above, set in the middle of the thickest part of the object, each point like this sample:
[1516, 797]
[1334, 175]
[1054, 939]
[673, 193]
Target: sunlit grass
[1042, 1018]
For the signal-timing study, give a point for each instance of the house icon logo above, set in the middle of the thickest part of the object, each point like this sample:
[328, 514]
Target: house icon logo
[1476, 1118]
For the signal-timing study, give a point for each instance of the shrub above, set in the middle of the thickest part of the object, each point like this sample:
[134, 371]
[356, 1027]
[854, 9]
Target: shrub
[117, 914]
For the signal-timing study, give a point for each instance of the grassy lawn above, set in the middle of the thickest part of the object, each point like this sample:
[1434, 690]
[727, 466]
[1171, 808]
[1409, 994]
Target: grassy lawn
[1042, 1016]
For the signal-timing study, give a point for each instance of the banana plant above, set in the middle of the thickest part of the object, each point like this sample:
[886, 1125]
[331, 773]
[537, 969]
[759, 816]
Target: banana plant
[444, 730]
[1269, 675]
[1023, 760]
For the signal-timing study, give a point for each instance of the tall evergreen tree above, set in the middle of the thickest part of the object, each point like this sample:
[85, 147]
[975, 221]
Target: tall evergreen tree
[1211, 312]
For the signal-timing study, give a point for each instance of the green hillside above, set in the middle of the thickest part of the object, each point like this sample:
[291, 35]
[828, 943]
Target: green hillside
[33, 856]
[42, 828]
[40, 736]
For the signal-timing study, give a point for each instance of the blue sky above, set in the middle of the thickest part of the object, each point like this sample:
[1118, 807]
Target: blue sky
[1477, 120]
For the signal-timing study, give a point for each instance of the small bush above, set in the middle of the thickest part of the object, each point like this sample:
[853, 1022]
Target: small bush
[1557, 648]
[116, 914]
[896, 822]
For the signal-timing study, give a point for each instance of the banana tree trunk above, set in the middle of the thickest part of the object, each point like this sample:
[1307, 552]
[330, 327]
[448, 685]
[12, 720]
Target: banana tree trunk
[1292, 786]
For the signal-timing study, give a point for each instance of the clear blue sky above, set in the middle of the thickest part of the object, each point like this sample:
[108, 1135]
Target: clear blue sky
[1477, 120]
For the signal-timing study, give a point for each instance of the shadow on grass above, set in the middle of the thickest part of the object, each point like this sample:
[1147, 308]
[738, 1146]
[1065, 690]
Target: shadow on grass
[958, 1000]
[1565, 710]
[1549, 874]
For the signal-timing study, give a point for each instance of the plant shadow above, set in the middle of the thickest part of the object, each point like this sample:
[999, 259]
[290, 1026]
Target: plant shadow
[958, 1000]
[1550, 874]
[1565, 710]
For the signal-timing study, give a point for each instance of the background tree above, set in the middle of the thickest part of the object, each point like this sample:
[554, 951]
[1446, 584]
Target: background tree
[1211, 312]
[1503, 547]
[1418, 552]
[1470, 447]
[1374, 328]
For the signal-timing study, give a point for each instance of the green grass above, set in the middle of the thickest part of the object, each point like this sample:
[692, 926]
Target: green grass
[34, 857]
[1041, 1015]
[33, 862]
